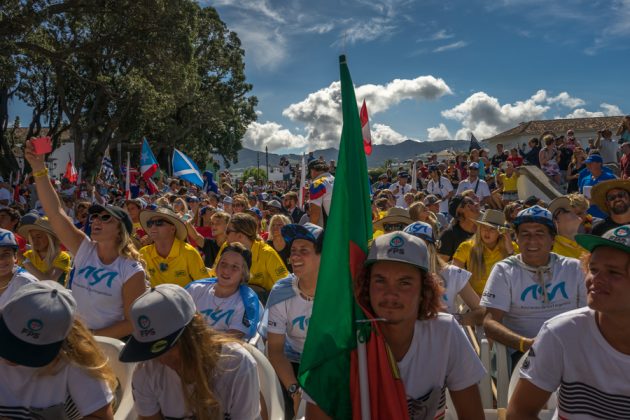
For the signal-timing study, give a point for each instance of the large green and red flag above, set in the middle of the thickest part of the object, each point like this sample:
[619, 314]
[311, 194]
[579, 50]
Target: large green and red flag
[326, 372]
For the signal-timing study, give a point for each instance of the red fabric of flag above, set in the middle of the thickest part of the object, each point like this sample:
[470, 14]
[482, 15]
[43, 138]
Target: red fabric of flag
[365, 129]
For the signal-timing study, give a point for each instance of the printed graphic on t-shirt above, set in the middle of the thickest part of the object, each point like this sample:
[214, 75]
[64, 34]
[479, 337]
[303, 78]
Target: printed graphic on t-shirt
[579, 398]
[429, 406]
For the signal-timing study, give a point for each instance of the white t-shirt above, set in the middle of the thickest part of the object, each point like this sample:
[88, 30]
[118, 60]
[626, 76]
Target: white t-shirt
[400, 195]
[608, 150]
[481, 190]
[571, 354]
[515, 290]
[97, 287]
[291, 317]
[222, 314]
[19, 279]
[455, 279]
[440, 356]
[26, 393]
[441, 188]
[158, 389]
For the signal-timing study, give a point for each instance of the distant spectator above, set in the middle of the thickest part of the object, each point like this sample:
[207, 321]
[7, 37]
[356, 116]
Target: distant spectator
[515, 158]
[624, 130]
[575, 167]
[532, 156]
[624, 162]
[548, 158]
[607, 146]
[500, 157]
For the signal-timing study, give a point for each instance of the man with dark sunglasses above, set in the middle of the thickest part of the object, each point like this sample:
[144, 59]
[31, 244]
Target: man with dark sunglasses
[612, 197]
[169, 258]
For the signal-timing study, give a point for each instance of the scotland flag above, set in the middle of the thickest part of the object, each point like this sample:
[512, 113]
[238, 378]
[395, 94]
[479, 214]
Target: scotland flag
[185, 168]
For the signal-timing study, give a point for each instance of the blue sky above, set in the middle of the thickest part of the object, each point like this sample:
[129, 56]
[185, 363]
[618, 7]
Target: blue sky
[429, 70]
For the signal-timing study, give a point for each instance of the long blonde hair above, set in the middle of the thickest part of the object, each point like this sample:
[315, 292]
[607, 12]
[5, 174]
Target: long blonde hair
[477, 262]
[126, 247]
[275, 217]
[52, 251]
[200, 351]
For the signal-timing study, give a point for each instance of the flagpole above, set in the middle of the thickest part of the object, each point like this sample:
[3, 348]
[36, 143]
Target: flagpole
[414, 174]
[302, 182]
[128, 177]
[364, 380]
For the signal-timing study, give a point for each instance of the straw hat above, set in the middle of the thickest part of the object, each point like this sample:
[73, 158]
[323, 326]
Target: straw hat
[599, 191]
[39, 223]
[394, 215]
[492, 218]
[168, 214]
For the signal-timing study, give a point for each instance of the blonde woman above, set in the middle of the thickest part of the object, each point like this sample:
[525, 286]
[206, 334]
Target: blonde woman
[187, 369]
[490, 244]
[275, 239]
[181, 208]
[454, 280]
[53, 368]
[108, 272]
[45, 260]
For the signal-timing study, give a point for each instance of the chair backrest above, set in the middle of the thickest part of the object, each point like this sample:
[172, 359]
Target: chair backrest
[124, 372]
[269, 384]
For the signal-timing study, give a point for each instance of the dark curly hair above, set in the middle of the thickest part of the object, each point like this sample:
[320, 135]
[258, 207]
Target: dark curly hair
[430, 295]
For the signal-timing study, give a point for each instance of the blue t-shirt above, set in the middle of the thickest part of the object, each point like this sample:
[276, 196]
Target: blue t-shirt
[589, 181]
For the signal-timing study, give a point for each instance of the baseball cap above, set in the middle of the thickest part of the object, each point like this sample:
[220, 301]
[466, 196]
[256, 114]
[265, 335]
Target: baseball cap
[431, 199]
[618, 238]
[422, 230]
[403, 174]
[535, 214]
[307, 231]
[399, 247]
[35, 322]
[473, 165]
[116, 212]
[7, 239]
[255, 211]
[594, 158]
[227, 200]
[275, 204]
[159, 317]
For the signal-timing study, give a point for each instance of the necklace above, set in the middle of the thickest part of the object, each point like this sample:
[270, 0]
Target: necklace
[225, 300]
[303, 293]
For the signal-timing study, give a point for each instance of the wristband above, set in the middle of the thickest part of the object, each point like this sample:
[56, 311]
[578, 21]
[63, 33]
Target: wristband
[521, 345]
[40, 173]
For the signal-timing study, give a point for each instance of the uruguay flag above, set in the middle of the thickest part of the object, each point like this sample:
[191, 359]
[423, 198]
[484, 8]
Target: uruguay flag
[185, 168]
[148, 162]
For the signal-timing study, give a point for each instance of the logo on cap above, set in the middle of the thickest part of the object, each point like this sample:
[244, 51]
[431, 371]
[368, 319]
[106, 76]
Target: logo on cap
[396, 242]
[145, 326]
[158, 346]
[33, 326]
[622, 232]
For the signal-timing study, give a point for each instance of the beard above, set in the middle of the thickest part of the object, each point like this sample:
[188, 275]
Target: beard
[619, 208]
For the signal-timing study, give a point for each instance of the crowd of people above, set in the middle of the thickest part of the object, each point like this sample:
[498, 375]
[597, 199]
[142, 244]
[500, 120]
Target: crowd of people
[186, 275]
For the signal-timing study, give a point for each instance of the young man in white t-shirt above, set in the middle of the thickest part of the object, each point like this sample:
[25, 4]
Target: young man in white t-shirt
[525, 290]
[585, 353]
[473, 182]
[400, 188]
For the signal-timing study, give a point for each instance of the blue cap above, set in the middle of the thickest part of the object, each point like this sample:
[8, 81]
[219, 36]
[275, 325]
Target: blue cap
[307, 231]
[257, 212]
[473, 165]
[7, 239]
[594, 158]
[535, 214]
[422, 230]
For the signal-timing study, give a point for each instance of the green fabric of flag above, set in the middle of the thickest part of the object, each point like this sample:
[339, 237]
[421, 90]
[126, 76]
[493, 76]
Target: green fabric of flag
[325, 365]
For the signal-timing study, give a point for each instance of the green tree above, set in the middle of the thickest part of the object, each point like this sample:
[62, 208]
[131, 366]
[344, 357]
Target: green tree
[256, 173]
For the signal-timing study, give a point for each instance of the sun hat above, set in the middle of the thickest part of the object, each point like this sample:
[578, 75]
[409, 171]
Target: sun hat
[116, 212]
[492, 218]
[535, 214]
[159, 317]
[422, 230]
[7, 239]
[395, 215]
[399, 247]
[600, 191]
[618, 238]
[169, 215]
[559, 203]
[594, 158]
[307, 231]
[36, 223]
[35, 322]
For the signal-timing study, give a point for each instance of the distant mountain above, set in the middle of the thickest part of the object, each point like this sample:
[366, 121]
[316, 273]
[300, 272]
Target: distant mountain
[247, 158]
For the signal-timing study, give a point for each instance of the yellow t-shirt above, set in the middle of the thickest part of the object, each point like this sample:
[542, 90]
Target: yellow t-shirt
[62, 262]
[509, 183]
[567, 247]
[182, 265]
[490, 258]
[267, 266]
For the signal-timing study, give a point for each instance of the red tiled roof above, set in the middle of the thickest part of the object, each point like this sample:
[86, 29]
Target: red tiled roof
[560, 126]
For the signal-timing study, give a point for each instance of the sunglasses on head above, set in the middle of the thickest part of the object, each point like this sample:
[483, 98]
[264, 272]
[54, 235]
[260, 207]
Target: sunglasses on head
[158, 223]
[613, 196]
[102, 217]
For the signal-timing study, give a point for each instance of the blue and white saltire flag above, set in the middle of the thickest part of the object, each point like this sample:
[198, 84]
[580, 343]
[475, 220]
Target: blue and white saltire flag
[186, 169]
[107, 169]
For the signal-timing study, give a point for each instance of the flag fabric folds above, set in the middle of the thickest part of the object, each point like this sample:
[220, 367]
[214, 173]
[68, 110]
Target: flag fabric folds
[325, 367]
[365, 130]
[186, 169]
[474, 143]
[71, 172]
[128, 177]
[148, 162]
[107, 168]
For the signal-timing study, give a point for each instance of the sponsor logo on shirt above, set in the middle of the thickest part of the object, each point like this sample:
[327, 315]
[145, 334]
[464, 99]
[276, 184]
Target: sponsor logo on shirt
[489, 295]
[215, 316]
[536, 291]
[95, 276]
[301, 321]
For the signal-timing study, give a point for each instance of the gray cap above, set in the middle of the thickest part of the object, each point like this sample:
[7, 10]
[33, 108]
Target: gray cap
[35, 322]
[159, 317]
[400, 247]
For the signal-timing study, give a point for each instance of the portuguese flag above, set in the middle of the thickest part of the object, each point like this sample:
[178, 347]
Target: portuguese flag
[328, 369]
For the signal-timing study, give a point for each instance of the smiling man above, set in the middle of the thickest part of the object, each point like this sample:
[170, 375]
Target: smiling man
[613, 197]
[525, 290]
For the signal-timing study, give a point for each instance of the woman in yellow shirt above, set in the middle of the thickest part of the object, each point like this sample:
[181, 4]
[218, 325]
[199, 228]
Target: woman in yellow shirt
[45, 260]
[490, 244]
[507, 183]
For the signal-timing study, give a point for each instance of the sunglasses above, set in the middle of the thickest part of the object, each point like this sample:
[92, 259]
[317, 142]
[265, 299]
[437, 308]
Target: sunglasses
[393, 227]
[613, 197]
[102, 217]
[158, 223]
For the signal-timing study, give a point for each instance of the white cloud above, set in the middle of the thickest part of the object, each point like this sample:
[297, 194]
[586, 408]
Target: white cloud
[266, 46]
[320, 111]
[609, 110]
[365, 31]
[453, 46]
[440, 35]
[566, 100]
[484, 116]
[384, 134]
[321, 28]
[272, 135]
[438, 133]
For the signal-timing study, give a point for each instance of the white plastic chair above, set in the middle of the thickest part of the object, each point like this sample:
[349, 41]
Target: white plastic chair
[485, 386]
[124, 372]
[269, 384]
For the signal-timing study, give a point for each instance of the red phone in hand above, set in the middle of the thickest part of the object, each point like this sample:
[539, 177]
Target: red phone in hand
[42, 145]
